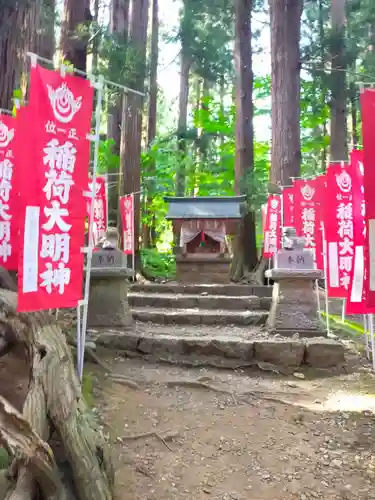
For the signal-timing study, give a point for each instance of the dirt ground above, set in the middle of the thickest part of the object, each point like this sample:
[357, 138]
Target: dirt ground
[259, 436]
[198, 433]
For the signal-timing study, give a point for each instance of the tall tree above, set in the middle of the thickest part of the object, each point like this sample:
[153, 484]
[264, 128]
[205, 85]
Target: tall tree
[12, 15]
[149, 229]
[131, 139]
[75, 33]
[339, 137]
[285, 16]
[95, 38]
[245, 247]
[118, 29]
[154, 56]
[186, 26]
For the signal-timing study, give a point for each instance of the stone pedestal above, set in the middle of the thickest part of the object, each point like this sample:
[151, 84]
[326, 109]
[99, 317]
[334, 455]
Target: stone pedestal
[108, 301]
[294, 306]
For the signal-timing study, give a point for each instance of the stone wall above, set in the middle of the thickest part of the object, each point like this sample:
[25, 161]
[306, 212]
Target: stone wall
[204, 271]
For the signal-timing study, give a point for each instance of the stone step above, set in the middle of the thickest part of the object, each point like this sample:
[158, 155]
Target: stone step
[199, 316]
[196, 289]
[226, 351]
[187, 301]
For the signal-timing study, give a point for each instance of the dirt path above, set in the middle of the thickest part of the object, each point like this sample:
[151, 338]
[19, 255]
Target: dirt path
[317, 443]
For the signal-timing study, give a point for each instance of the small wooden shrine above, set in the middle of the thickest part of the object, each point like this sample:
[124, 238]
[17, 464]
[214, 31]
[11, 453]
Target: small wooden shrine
[201, 225]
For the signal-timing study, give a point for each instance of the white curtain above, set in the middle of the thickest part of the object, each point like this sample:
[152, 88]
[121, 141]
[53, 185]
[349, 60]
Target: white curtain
[191, 229]
[187, 234]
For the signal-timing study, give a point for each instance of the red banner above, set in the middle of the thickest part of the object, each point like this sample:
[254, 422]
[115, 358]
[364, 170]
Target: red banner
[272, 227]
[339, 229]
[100, 208]
[288, 206]
[8, 195]
[368, 127]
[307, 216]
[51, 265]
[356, 300]
[127, 220]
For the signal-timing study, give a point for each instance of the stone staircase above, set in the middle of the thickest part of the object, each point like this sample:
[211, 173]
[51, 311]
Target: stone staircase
[176, 304]
[213, 325]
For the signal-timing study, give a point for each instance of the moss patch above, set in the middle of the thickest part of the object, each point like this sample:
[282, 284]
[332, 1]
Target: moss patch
[4, 459]
[87, 388]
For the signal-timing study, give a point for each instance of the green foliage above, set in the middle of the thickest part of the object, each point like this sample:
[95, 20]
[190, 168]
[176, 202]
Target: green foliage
[157, 264]
[208, 161]
[205, 33]
[108, 161]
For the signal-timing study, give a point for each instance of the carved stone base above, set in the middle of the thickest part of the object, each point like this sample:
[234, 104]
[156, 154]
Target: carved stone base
[294, 306]
[108, 301]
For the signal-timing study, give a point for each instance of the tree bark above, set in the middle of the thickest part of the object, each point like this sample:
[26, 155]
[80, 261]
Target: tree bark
[11, 23]
[149, 233]
[118, 28]
[339, 129]
[132, 113]
[74, 32]
[185, 66]
[54, 403]
[324, 152]
[245, 249]
[47, 39]
[285, 16]
[153, 74]
[95, 42]
[354, 115]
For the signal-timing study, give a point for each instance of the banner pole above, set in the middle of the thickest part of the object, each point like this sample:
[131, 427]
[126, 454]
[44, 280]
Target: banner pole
[371, 324]
[133, 237]
[91, 242]
[107, 199]
[325, 277]
[343, 310]
[79, 339]
[365, 329]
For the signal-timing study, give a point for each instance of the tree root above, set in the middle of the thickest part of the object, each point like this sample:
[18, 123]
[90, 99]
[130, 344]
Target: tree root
[120, 379]
[54, 402]
[168, 435]
[21, 441]
[91, 356]
[200, 384]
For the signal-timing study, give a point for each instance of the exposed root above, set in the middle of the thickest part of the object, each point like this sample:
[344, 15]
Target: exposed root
[90, 354]
[168, 436]
[121, 379]
[199, 384]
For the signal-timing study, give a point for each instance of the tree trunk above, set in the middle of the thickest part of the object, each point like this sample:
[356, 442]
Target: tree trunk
[245, 249]
[11, 22]
[339, 141]
[132, 113]
[149, 234]
[95, 42]
[323, 155]
[118, 27]
[285, 16]
[354, 114]
[47, 39]
[182, 118]
[153, 74]
[54, 403]
[75, 32]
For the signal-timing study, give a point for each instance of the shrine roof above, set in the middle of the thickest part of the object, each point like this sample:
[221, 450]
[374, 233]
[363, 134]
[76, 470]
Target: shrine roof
[206, 207]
